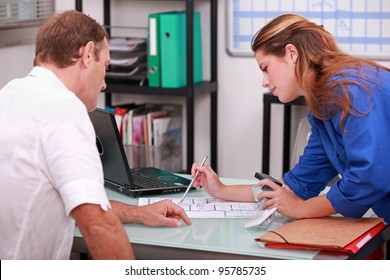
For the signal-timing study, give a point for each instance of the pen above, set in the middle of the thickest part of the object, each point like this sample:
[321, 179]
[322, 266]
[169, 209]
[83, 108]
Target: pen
[193, 180]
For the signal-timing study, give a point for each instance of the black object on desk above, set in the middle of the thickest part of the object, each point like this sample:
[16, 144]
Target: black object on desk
[268, 99]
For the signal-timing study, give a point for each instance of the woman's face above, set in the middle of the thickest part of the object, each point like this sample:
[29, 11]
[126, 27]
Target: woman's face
[279, 74]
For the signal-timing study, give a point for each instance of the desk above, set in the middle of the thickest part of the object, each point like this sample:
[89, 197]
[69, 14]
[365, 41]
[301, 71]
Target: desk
[269, 99]
[213, 238]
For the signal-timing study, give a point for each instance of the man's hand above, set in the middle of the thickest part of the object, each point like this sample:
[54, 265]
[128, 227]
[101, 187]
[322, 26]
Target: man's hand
[162, 213]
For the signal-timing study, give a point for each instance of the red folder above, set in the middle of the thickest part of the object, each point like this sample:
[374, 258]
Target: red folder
[337, 234]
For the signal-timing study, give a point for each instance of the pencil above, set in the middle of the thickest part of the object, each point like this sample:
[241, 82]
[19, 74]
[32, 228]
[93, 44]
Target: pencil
[193, 180]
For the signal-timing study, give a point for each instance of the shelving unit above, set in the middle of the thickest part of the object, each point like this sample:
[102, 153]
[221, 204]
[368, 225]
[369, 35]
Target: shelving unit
[188, 92]
[268, 100]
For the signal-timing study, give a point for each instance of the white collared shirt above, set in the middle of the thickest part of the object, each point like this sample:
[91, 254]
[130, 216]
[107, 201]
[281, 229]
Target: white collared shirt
[49, 165]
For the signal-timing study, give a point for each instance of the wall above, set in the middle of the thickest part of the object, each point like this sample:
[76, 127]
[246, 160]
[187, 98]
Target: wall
[16, 62]
[240, 106]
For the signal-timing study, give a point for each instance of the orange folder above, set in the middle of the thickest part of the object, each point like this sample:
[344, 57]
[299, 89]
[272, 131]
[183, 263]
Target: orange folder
[337, 234]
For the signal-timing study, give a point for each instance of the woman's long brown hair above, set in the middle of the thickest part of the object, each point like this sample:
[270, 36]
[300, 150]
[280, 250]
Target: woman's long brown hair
[320, 61]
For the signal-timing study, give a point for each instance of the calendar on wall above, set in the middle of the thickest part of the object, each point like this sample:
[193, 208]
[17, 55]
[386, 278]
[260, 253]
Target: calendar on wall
[361, 27]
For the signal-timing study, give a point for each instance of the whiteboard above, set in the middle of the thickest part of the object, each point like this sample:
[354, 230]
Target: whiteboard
[361, 27]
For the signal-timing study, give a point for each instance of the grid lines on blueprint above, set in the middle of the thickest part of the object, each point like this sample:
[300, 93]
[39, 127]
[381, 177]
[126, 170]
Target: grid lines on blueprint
[209, 207]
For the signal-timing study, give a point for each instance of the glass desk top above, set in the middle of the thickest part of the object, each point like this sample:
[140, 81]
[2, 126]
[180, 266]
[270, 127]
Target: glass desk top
[205, 238]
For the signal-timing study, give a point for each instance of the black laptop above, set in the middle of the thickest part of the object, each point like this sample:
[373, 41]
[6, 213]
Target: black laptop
[117, 173]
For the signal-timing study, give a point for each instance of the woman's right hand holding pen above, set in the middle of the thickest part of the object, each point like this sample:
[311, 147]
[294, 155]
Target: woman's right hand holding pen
[208, 180]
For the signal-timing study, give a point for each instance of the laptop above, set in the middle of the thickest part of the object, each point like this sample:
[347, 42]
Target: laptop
[117, 173]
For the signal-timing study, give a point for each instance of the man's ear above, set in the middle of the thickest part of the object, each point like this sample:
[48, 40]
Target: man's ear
[292, 52]
[87, 53]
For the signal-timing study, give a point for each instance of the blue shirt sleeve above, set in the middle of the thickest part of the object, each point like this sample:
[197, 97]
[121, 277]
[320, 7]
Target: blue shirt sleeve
[313, 170]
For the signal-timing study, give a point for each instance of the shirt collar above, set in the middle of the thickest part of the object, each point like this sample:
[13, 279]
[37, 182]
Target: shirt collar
[44, 73]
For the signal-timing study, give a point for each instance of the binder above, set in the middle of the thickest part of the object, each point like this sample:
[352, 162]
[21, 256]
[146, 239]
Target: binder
[173, 51]
[154, 75]
[337, 234]
[198, 65]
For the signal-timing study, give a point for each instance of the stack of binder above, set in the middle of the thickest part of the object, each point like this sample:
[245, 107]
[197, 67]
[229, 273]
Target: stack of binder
[128, 58]
[167, 50]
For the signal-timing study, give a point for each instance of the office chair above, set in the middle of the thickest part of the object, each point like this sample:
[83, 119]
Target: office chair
[301, 139]
[303, 134]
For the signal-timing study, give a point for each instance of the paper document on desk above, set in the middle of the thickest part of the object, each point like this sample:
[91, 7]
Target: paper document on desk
[209, 207]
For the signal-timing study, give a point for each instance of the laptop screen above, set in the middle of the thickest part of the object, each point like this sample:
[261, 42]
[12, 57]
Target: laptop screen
[115, 166]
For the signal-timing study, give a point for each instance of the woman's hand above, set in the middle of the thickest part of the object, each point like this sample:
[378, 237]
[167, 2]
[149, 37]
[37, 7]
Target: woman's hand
[283, 198]
[291, 205]
[208, 180]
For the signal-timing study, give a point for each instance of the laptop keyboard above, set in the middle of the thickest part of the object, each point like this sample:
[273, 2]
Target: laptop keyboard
[142, 181]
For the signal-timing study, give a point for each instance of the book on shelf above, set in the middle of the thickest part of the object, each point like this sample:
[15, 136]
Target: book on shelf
[138, 129]
[152, 135]
[169, 145]
[119, 114]
[160, 126]
[128, 130]
[151, 116]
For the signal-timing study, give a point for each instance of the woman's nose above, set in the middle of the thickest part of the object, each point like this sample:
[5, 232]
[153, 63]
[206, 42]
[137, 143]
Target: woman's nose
[265, 82]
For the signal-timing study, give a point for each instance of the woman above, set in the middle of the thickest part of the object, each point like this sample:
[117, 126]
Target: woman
[349, 110]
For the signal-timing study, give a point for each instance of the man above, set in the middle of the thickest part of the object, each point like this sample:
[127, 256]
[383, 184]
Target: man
[50, 170]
